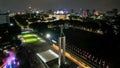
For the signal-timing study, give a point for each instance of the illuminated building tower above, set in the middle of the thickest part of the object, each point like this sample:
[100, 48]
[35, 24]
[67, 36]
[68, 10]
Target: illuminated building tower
[61, 14]
[88, 13]
[80, 12]
[62, 44]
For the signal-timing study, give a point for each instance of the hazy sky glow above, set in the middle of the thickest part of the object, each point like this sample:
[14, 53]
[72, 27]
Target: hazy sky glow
[59, 4]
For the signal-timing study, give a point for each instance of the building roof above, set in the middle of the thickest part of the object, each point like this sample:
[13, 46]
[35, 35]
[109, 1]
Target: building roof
[48, 55]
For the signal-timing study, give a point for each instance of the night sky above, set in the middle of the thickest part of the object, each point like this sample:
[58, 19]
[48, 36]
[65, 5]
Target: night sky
[102, 5]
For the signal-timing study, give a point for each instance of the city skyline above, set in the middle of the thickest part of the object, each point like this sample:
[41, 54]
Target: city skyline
[19, 5]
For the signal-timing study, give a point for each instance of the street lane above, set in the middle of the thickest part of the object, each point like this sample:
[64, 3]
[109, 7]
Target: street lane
[73, 58]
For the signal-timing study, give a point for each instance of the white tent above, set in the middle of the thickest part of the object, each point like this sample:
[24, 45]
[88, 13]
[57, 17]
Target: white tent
[47, 56]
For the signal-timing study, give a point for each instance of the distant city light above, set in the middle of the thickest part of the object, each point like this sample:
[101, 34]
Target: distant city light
[59, 12]
[37, 12]
[18, 13]
[29, 7]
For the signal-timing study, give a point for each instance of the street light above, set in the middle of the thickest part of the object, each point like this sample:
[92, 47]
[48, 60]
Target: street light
[48, 36]
[11, 24]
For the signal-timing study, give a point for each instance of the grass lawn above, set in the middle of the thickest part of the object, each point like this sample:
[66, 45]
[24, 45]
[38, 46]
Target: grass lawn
[31, 40]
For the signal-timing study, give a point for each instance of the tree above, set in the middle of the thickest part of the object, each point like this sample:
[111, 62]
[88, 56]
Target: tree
[115, 11]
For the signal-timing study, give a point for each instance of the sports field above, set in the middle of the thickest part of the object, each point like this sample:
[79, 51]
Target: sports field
[31, 38]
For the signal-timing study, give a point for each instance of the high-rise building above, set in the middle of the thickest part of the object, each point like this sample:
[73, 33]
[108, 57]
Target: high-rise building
[4, 18]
